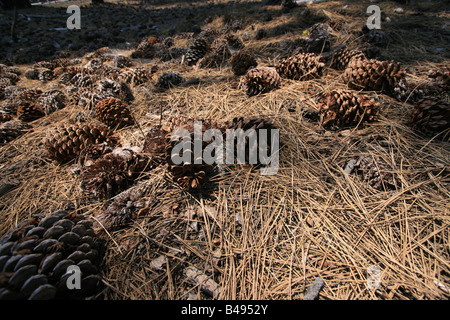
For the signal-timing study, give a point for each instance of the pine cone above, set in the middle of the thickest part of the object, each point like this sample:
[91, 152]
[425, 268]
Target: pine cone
[251, 150]
[104, 53]
[345, 108]
[11, 130]
[82, 80]
[113, 113]
[431, 116]
[35, 256]
[146, 48]
[124, 209]
[136, 76]
[28, 96]
[261, 80]
[375, 171]
[342, 57]
[318, 44]
[93, 152]
[169, 79]
[108, 88]
[29, 112]
[234, 42]
[12, 69]
[187, 174]
[11, 78]
[408, 91]
[373, 75]
[121, 62]
[219, 55]
[169, 42]
[319, 38]
[32, 74]
[156, 140]
[441, 77]
[45, 75]
[112, 173]
[302, 66]
[52, 100]
[64, 143]
[376, 37]
[196, 51]
[45, 65]
[4, 117]
[241, 61]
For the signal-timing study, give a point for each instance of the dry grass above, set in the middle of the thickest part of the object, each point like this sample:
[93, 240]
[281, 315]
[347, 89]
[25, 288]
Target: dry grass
[265, 237]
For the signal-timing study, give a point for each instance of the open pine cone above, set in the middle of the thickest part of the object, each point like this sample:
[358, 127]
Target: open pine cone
[251, 150]
[52, 100]
[241, 61]
[136, 76]
[188, 174]
[441, 77]
[11, 130]
[319, 38]
[64, 143]
[261, 80]
[113, 173]
[196, 51]
[302, 66]
[342, 57]
[170, 79]
[156, 140]
[345, 108]
[383, 76]
[114, 113]
[375, 171]
[124, 209]
[29, 112]
[108, 88]
[431, 116]
[35, 256]
[146, 48]
[218, 56]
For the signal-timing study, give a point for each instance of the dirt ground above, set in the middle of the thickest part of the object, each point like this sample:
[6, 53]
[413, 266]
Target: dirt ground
[253, 236]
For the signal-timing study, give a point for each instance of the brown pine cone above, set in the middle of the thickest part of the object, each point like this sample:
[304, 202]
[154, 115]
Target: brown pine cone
[431, 116]
[29, 112]
[113, 113]
[383, 76]
[342, 57]
[345, 108]
[188, 174]
[156, 140]
[113, 173]
[302, 66]
[63, 143]
[375, 171]
[261, 80]
[241, 61]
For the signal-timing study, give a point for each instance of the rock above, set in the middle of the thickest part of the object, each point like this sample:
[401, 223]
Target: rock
[313, 291]
[399, 10]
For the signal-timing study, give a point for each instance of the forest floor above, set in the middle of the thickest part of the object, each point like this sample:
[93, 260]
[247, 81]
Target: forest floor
[255, 236]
